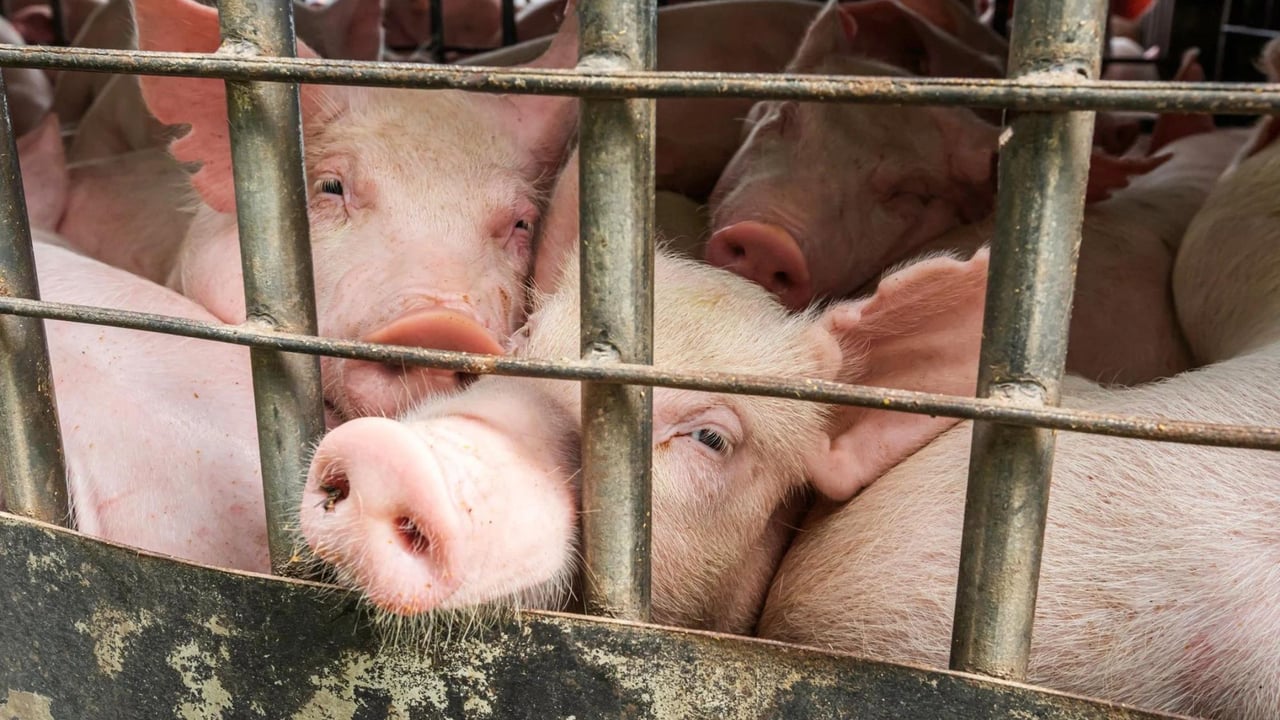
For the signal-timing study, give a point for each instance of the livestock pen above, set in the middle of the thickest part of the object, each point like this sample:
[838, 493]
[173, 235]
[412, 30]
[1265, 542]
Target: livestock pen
[89, 629]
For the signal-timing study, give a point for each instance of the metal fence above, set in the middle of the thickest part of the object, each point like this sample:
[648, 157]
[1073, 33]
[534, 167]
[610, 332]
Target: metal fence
[1053, 55]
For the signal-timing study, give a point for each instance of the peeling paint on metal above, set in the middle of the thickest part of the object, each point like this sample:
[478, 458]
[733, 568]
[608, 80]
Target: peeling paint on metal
[196, 668]
[26, 706]
[111, 629]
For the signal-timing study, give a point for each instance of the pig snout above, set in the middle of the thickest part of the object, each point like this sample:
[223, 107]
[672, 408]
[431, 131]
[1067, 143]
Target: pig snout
[373, 388]
[435, 515]
[767, 255]
[375, 506]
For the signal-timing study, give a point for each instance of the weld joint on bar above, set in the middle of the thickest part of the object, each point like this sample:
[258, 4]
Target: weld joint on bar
[599, 353]
[1058, 74]
[238, 48]
[1021, 393]
[605, 62]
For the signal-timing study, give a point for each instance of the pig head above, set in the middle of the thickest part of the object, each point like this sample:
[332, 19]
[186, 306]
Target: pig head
[422, 207]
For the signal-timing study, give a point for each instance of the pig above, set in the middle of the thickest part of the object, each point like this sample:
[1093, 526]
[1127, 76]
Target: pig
[695, 138]
[158, 431]
[471, 499]
[471, 24]
[1227, 253]
[1158, 586]
[28, 90]
[422, 206]
[142, 196]
[34, 18]
[349, 29]
[822, 198]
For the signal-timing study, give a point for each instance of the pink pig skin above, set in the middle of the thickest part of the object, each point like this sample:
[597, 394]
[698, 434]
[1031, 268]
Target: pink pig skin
[697, 137]
[28, 90]
[909, 179]
[422, 207]
[157, 430]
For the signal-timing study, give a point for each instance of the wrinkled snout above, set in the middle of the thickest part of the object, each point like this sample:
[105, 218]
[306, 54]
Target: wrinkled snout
[767, 255]
[371, 388]
[375, 506]
[441, 513]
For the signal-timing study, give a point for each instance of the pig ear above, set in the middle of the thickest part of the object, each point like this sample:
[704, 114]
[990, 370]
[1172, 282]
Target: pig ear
[45, 180]
[346, 29]
[1108, 173]
[545, 123]
[35, 24]
[185, 26]
[832, 32]
[897, 35]
[920, 330]
[1175, 126]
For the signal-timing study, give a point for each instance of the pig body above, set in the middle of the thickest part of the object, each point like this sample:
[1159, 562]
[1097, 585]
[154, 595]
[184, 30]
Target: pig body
[1158, 586]
[697, 137]
[158, 430]
[1228, 261]
[422, 208]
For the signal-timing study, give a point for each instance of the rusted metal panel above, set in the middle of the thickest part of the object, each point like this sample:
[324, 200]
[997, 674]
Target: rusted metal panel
[1044, 166]
[93, 630]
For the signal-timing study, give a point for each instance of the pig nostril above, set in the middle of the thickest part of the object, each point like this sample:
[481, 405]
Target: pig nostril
[336, 487]
[737, 251]
[782, 280]
[413, 539]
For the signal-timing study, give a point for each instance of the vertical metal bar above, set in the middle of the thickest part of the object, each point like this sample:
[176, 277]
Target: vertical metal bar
[616, 144]
[508, 22]
[58, 16]
[1043, 171]
[275, 250]
[33, 480]
[437, 30]
[1000, 17]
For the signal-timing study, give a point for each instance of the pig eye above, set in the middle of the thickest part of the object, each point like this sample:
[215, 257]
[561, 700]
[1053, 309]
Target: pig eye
[331, 186]
[711, 439]
[524, 225]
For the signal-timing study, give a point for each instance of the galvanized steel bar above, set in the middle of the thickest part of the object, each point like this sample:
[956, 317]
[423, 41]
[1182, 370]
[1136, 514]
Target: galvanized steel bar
[275, 252]
[33, 480]
[1041, 94]
[58, 17]
[1115, 425]
[616, 208]
[1043, 171]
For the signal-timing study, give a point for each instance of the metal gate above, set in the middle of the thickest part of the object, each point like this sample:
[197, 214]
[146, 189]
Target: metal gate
[92, 630]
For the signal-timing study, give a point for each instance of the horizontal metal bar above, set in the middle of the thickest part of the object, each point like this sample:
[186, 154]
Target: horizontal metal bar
[1128, 426]
[1250, 31]
[275, 254]
[1057, 92]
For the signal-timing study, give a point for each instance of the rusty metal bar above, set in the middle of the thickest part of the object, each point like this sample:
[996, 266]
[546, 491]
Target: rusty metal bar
[1044, 94]
[1024, 348]
[616, 212]
[1116, 425]
[33, 479]
[509, 22]
[275, 252]
[59, 20]
[437, 30]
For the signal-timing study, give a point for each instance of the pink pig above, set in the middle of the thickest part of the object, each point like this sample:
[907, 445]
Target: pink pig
[823, 198]
[28, 90]
[1158, 586]
[697, 137]
[158, 430]
[472, 498]
[422, 205]
[467, 23]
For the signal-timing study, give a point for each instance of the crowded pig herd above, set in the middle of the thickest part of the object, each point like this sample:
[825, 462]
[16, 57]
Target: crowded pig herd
[838, 242]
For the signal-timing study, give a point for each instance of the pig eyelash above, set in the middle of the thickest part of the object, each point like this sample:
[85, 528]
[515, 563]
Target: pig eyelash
[331, 186]
[712, 440]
